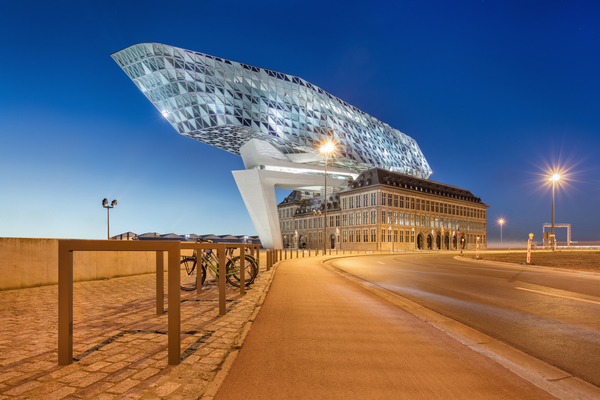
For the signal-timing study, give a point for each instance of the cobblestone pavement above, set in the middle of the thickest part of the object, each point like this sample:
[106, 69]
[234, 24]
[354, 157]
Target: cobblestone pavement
[119, 341]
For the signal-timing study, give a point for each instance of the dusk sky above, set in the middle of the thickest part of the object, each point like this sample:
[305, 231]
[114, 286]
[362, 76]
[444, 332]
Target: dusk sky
[494, 92]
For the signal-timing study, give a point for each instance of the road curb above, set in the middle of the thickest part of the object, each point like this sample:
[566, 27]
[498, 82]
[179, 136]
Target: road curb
[215, 384]
[545, 376]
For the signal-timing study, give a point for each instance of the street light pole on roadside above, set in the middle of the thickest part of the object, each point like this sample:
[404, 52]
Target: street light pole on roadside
[105, 205]
[555, 178]
[326, 149]
[501, 223]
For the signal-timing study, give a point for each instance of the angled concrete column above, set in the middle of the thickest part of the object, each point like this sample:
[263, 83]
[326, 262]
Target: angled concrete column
[257, 188]
[267, 169]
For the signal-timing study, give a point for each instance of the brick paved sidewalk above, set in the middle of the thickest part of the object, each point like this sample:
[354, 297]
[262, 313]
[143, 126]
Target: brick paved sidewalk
[120, 343]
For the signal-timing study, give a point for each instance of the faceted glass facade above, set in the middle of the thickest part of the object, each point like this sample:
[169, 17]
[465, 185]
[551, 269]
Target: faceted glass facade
[226, 103]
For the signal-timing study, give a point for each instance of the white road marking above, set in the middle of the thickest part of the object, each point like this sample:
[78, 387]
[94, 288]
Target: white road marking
[557, 295]
[380, 262]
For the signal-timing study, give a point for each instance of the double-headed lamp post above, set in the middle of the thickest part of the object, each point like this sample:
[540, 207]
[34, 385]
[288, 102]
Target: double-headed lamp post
[105, 205]
[501, 222]
[554, 178]
[326, 149]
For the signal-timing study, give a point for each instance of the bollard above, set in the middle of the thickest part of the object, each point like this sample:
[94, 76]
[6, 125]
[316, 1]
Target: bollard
[297, 250]
[529, 248]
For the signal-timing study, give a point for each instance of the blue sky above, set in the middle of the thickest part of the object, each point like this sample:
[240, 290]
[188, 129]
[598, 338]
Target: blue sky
[494, 92]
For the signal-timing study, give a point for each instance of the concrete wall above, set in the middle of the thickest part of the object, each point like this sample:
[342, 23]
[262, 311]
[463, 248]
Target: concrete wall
[33, 262]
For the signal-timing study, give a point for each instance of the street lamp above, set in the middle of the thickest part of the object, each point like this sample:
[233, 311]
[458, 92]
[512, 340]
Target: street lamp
[501, 222]
[326, 149]
[554, 178]
[105, 205]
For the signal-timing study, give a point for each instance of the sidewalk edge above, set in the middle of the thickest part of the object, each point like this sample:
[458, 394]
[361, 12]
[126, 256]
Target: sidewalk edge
[213, 386]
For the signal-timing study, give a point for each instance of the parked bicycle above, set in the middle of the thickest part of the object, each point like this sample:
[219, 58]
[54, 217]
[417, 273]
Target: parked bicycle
[210, 263]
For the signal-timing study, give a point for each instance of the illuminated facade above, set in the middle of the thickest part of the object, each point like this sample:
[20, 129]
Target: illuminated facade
[276, 122]
[384, 210]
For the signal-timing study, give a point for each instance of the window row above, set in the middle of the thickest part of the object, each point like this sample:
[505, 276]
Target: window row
[370, 235]
[411, 203]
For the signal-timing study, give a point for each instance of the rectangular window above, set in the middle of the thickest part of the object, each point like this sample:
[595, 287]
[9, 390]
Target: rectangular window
[395, 235]
[337, 220]
[401, 205]
[350, 219]
[366, 235]
[389, 202]
[389, 218]
[374, 198]
[365, 200]
[401, 237]
[331, 221]
[383, 198]
[423, 220]
[296, 224]
[344, 220]
[401, 219]
[357, 235]
[419, 205]
[366, 217]
[373, 217]
[427, 206]
[351, 201]
[358, 201]
[358, 219]
[344, 203]
[395, 200]
[389, 232]
[437, 207]
[412, 236]
[350, 236]
[383, 217]
[310, 223]
[412, 219]
[445, 208]
[383, 236]
[427, 221]
[373, 235]
[305, 223]
[412, 203]
[395, 218]
[344, 236]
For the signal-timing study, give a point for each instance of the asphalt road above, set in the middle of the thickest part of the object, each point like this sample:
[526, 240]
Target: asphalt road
[551, 315]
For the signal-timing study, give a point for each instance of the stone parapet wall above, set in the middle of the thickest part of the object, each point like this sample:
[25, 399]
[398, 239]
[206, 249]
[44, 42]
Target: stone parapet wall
[28, 262]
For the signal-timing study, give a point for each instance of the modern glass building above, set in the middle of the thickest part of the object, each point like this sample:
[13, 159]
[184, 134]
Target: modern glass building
[275, 121]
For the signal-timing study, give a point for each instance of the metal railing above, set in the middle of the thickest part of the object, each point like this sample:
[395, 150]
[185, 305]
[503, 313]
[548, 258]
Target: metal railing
[173, 248]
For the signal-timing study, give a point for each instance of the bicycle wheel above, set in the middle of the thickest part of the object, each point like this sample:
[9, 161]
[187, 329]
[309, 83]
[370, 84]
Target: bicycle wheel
[188, 280]
[233, 271]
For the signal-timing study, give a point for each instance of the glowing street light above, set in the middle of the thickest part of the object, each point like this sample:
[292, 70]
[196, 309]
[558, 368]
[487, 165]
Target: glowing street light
[501, 222]
[554, 178]
[105, 205]
[326, 149]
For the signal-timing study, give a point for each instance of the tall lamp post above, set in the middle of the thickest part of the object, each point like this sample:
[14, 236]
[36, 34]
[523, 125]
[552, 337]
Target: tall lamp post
[554, 178]
[501, 222]
[105, 205]
[326, 149]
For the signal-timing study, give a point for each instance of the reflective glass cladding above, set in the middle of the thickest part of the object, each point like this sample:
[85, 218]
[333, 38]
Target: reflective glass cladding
[225, 104]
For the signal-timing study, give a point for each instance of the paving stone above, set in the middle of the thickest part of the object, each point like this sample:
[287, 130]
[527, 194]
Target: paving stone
[135, 362]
